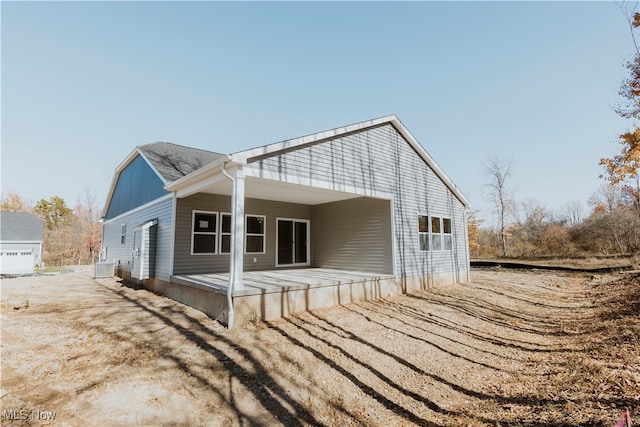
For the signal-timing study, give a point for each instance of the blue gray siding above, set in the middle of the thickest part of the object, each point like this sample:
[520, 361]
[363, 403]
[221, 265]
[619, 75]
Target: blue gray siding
[137, 184]
[121, 254]
[380, 161]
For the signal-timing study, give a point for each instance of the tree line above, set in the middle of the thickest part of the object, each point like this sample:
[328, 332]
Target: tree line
[612, 225]
[608, 225]
[72, 236]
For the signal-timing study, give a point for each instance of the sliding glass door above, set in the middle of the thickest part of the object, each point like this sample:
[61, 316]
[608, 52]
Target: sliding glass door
[293, 242]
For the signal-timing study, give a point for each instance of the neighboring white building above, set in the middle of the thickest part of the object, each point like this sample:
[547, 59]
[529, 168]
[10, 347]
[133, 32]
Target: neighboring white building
[20, 242]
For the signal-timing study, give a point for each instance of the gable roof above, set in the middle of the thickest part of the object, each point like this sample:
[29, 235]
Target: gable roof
[172, 161]
[271, 149]
[180, 166]
[169, 161]
[20, 226]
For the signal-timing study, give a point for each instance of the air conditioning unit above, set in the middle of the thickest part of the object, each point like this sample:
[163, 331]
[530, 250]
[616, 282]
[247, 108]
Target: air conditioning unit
[104, 270]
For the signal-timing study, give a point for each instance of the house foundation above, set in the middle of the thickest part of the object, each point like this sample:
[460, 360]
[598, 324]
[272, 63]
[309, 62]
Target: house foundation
[270, 295]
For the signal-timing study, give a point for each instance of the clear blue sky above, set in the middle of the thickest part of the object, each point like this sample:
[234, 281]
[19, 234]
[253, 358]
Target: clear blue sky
[83, 83]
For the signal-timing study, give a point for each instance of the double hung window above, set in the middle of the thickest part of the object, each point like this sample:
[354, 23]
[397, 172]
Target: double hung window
[254, 234]
[204, 233]
[211, 233]
[225, 233]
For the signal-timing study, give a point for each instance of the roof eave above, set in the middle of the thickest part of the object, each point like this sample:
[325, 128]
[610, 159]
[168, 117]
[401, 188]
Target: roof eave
[194, 177]
[243, 156]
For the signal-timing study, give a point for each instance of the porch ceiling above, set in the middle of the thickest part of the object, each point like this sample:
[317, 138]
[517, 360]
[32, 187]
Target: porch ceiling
[266, 189]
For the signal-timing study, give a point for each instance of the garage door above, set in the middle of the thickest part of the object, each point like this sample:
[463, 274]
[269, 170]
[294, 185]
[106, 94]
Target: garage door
[16, 262]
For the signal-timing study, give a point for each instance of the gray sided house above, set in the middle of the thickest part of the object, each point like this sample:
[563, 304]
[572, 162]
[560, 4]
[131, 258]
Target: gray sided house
[353, 213]
[20, 242]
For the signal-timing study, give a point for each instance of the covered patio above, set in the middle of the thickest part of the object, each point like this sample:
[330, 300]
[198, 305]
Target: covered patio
[272, 294]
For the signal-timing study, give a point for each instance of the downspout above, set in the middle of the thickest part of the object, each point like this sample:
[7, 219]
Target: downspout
[231, 255]
[466, 237]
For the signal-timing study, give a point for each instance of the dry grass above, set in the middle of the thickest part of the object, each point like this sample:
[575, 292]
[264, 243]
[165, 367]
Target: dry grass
[599, 375]
[514, 347]
[579, 263]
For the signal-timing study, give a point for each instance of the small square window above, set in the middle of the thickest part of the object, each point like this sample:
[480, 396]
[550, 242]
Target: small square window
[255, 225]
[204, 222]
[204, 243]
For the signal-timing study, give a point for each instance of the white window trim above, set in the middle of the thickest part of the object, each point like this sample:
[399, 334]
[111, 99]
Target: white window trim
[264, 234]
[193, 233]
[221, 233]
[430, 233]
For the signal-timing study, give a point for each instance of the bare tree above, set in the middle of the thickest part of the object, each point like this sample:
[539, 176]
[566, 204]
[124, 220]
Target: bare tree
[606, 201]
[88, 228]
[500, 195]
[573, 212]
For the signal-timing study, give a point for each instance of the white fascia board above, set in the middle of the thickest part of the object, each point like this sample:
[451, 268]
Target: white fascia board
[199, 186]
[195, 178]
[243, 156]
[395, 121]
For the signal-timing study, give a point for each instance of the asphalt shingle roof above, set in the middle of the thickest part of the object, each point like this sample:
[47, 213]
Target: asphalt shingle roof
[174, 161]
[20, 226]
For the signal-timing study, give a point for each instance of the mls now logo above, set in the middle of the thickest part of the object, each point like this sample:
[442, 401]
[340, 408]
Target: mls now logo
[24, 415]
[15, 415]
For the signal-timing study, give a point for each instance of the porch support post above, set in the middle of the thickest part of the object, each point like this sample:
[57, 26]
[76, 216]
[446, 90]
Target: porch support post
[236, 260]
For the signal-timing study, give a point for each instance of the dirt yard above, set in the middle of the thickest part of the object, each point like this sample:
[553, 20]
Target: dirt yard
[512, 348]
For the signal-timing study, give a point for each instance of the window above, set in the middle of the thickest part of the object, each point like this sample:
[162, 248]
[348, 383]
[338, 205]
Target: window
[447, 241]
[225, 233]
[123, 234]
[423, 232]
[434, 233]
[203, 233]
[254, 234]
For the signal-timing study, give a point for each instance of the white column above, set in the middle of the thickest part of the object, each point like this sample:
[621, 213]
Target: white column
[236, 263]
